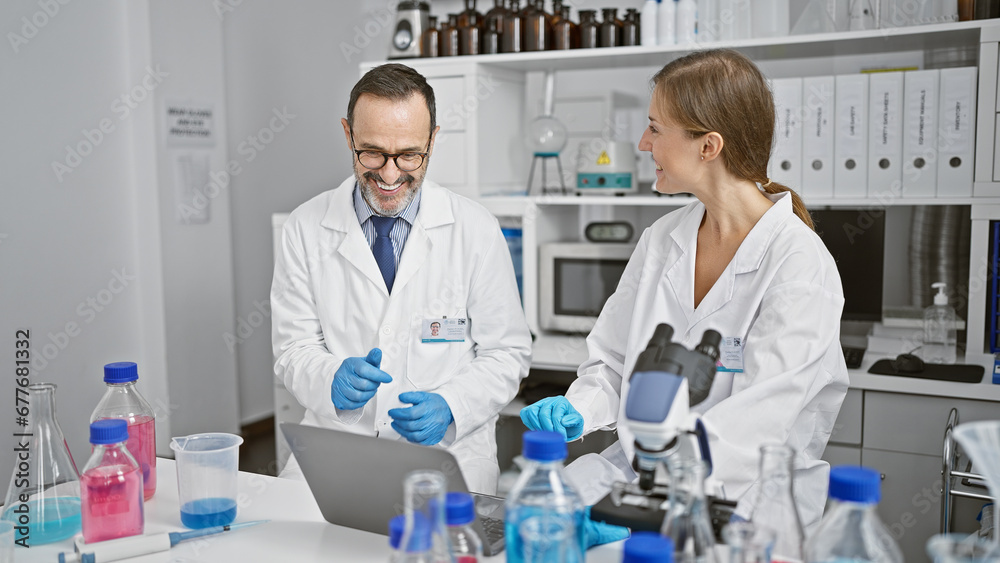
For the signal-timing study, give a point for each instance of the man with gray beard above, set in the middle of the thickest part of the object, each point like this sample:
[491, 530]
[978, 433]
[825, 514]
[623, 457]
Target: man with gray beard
[365, 270]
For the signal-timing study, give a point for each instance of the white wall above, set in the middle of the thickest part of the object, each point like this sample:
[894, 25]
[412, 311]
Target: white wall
[301, 57]
[91, 260]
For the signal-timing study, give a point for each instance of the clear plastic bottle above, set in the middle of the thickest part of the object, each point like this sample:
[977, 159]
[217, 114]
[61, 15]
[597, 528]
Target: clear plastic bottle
[648, 20]
[123, 400]
[648, 547]
[939, 329]
[466, 547]
[666, 24]
[687, 22]
[43, 500]
[111, 485]
[542, 493]
[774, 504]
[851, 529]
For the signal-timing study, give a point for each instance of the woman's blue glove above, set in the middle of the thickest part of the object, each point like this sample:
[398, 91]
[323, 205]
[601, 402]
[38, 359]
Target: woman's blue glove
[357, 380]
[426, 421]
[554, 414]
[600, 533]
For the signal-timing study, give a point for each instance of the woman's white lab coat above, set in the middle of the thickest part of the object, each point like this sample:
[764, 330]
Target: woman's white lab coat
[329, 302]
[781, 294]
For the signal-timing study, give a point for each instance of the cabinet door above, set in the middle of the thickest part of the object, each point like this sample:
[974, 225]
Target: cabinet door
[847, 429]
[842, 455]
[915, 423]
[911, 498]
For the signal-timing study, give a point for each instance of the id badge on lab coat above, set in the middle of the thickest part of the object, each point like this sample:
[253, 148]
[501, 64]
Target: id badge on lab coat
[443, 330]
[731, 355]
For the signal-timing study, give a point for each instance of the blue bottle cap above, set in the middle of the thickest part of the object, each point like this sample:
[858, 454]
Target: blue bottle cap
[396, 526]
[421, 540]
[460, 509]
[855, 484]
[108, 431]
[121, 372]
[648, 547]
[542, 445]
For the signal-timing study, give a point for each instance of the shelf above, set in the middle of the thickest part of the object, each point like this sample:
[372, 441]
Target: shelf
[916, 38]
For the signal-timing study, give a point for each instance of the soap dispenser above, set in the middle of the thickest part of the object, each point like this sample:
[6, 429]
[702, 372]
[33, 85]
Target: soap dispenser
[939, 329]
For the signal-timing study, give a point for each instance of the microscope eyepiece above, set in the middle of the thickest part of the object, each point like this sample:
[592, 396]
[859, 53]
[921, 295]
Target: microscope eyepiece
[661, 336]
[709, 345]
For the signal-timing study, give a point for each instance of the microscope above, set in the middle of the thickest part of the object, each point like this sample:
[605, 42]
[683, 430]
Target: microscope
[668, 379]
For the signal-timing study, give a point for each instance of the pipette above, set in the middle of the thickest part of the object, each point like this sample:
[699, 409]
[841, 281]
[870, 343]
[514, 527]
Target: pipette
[134, 546]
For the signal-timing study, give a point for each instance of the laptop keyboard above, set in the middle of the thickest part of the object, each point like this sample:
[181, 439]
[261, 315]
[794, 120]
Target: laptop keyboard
[494, 529]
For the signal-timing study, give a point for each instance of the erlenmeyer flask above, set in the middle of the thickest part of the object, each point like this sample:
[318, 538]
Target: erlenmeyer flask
[424, 493]
[687, 522]
[43, 500]
[981, 441]
[774, 504]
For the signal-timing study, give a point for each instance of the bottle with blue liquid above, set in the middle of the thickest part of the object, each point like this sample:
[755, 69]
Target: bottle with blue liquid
[544, 514]
[43, 500]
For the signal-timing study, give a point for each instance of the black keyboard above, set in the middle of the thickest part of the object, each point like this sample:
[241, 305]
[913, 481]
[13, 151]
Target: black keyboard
[853, 356]
[494, 529]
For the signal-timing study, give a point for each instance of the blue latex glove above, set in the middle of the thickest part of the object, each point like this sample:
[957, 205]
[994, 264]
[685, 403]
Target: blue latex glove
[356, 381]
[426, 421]
[554, 414]
[600, 533]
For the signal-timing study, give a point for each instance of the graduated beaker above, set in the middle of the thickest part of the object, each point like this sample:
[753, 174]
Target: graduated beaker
[43, 500]
[207, 469]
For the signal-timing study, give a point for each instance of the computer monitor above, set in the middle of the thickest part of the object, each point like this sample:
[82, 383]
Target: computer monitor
[856, 238]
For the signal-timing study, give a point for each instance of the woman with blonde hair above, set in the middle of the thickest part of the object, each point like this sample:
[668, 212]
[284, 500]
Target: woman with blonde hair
[742, 260]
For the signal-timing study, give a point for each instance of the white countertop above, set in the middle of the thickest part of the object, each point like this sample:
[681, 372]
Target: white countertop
[567, 352]
[296, 531]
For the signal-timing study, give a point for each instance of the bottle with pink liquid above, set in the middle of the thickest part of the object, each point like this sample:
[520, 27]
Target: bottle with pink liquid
[111, 485]
[122, 400]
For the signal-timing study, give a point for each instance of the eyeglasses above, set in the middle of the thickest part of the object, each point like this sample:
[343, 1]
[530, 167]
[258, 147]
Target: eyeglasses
[405, 161]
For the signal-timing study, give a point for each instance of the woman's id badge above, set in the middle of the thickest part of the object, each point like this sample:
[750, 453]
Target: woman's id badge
[731, 355]
[443, 330]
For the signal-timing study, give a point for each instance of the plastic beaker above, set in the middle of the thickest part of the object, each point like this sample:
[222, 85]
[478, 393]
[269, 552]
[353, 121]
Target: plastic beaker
[207, 469]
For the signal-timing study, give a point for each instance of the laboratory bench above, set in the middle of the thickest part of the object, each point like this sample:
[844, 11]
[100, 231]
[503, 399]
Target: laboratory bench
[296, 531]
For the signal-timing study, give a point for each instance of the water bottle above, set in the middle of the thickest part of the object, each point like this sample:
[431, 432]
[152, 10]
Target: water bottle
[542, 499]
[460, 514]
[122, 400]
[647, 23]
[111, 485]
[648, 547]
[666, 23]
[939, 329]
[851, 530]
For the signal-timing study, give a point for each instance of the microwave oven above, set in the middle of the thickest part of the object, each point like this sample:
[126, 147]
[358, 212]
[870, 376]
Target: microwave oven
[575, 280]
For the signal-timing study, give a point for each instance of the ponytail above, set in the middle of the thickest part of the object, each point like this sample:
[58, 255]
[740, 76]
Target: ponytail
[797, 205]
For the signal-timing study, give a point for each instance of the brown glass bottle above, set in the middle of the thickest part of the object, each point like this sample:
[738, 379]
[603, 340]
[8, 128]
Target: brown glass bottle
[491, 38]
[588, 29]
[510, 41]
[448, 46]
[630, 28]
[537, 32]
[565, 35]
[494, 21]
[470, 30]
[611, 29]
[430, 39]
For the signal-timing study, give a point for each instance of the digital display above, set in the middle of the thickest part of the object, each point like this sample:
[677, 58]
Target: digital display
[584, 285]
[859, 254]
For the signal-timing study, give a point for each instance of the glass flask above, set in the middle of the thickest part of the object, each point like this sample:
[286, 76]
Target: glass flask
[424, 500]
[630, 28]
[123, 400]
[430, 40]
[43, 500]
[510, 40]
[537, 33]
[470, 29]
[611, 29]
[687, 522]
[747, 543]
[565, 34]
[448, 46]
[774, 503]
[588, 29]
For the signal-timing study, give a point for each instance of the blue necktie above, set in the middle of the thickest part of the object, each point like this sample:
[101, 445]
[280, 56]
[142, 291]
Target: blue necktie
[384, 255]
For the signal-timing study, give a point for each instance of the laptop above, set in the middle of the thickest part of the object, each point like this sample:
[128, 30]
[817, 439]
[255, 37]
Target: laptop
[357, 481]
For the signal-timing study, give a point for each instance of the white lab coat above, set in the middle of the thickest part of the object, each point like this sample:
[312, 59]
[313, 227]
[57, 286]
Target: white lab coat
[329, 302]
[781, 294]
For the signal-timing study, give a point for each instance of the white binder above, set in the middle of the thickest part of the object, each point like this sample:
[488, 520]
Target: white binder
[850, 136]
[956, 140]
[920, 109]
[885, 135]
[817, 136]
[785, 166]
